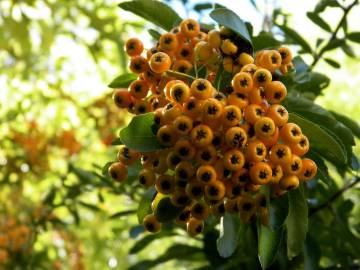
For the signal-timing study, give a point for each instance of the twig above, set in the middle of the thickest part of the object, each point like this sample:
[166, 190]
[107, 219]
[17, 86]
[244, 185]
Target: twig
[334, 196]
[334, 34]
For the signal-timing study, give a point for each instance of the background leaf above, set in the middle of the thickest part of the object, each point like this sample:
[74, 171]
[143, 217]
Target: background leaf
[268, 243]
[315, 18]
[144, 207]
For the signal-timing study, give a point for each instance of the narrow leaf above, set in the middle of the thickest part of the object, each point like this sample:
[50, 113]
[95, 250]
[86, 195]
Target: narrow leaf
[296, 37]
[351, 124]
[123, 81]
[315, 18]
[296, 222]
[354, 36]
[154, 34]
[332, 63]
[228, 238]
[144, 207]
[268, 243]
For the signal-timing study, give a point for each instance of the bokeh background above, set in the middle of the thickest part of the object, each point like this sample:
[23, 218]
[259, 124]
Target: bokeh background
[57, 121]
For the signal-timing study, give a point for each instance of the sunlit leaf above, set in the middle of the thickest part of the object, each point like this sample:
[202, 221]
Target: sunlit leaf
[123, 81]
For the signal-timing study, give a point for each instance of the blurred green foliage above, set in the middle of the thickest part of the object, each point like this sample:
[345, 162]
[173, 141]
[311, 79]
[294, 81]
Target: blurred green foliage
[58, 120]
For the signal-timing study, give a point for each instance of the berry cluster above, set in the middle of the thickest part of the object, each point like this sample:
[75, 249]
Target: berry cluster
[220, 145]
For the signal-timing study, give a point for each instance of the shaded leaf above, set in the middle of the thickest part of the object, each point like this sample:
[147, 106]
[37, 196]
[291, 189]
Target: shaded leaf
[229, 235]
[122, 214]
[139, 135]
[297, 38]
[315, 18]
[278, 211]
[166, 211]
[333, 44]
[148, 239]
[228, 18]
[89, 206]
[351, 124]
[296, 222]
[354, 36]
[321, 140]
[323, 4]
[153, 11]
[123, 81]
[349, 51]
[205, 6]
[144, 207]
[117, 141]
[332, 63]
[268, 243]
[265, 40]
[312, 254]
[154, 34]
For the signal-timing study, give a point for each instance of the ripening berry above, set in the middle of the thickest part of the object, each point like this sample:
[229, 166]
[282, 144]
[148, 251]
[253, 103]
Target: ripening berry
[134, 47]
[300, 148]
[127, 155]
[245, 59]
[173, 159]
[291, 133]
[249, 68]
[218, 210]
[183, 217]
[275, 92]
[286, 55]
[151, 224]
[138, 64]
[182, 66]
[264, 127]
[214, 39]
[239, 100]
[203, 51]
[147, 177]
[262, 77]
[201, 136]
[206, 174]
[166, 135]
[168, 42]
[233, 159]
[200, 210]
[165, 184]
[289, 182]
[294, 166]
[118, 171]
[139, 89]
[160, 62]
[179, 198]
[194, 227]
[189, 28]
[212, 110]
[141, 106]
[280, 154]
[278, 114]
[171, 111]
[206, 155]
[122, 98]
[228, 47]
[308, 170]
[242, 82]
[277, 173]
[255, 151]
[235, 137]
[185, 52]
[194, 189]
[261, 173]
[180, 92]
[184, 170]
[215, 191]
[271, 60]
[201, 89]
[253, 113]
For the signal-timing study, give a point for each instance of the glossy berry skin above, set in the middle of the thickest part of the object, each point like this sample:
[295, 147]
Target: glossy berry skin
[160, 62]
[118, 171]
[151, 224]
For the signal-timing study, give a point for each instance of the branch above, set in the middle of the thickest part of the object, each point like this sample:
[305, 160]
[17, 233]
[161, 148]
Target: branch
[334, 34]
[333, 198]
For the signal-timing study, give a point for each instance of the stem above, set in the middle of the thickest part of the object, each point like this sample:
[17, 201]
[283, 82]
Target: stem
[334, 34]
[179, 74]
[334, 196]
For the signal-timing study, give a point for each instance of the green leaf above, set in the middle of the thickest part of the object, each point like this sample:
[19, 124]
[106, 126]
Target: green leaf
[333, 44]
[268, 243]
[351, 124]
[117, 141]
[139, 135]
[122, 214]
[332, 63]
[298, 39]
[90, 206]
[123, 81]
[154, 34]
[348, 50]
[144, 207]
[278, 211]
[322, 172]
[229, 235]
[354, 36]
[323, 142]
[315, 18]
[229, 19]
[105, 169]
[265, 40]
[148, 239]
[166, 211]
[323, 4]
[153, 11]
[296, 222]
[312, 254]
[311, 81]
[205, 6]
